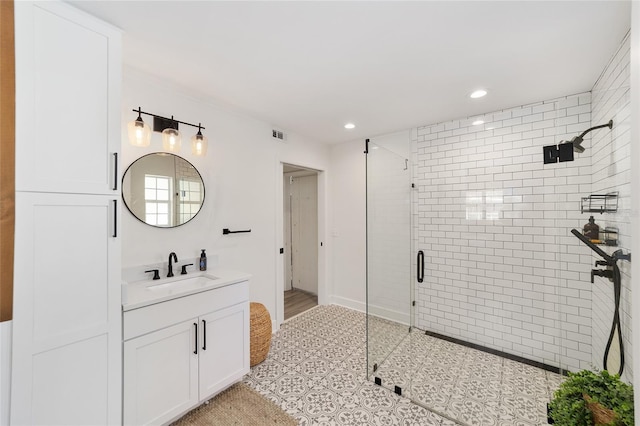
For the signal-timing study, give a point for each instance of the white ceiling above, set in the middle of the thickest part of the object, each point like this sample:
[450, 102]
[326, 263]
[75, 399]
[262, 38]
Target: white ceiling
[310, 67]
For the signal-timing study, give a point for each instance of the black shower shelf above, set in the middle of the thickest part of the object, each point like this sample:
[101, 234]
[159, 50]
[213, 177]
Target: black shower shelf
[608, 237]
[600, 203]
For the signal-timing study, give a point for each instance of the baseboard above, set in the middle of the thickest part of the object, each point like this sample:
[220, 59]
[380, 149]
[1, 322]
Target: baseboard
[348, 303]
[390, 314]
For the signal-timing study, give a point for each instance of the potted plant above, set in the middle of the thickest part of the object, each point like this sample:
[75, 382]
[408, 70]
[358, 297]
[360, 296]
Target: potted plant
[588, 398]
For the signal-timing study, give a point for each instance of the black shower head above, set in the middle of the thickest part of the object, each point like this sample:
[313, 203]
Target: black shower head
[577, 140]
[577, 147]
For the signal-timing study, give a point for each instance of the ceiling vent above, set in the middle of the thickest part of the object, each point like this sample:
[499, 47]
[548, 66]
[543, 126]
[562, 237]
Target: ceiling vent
[278, 134]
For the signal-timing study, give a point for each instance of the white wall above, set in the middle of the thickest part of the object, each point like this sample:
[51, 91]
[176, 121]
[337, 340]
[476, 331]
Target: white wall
[242, 173]
[611, 171]
[348, 229]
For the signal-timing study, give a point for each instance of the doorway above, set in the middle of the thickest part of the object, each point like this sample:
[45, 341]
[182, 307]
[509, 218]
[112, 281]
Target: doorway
[300, 214]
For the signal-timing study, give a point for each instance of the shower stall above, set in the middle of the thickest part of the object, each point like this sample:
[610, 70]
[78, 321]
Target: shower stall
[479, 296]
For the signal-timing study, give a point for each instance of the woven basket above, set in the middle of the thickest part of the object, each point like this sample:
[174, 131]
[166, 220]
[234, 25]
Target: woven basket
[260, 339]
[601, 415]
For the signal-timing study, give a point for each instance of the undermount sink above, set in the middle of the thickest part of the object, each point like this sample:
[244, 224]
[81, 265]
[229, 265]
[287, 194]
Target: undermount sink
[146, 291]
[191, 282]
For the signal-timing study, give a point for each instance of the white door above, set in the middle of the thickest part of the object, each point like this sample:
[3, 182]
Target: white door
[160, 375]
[304, 233]
[67, 311]
[224, 348]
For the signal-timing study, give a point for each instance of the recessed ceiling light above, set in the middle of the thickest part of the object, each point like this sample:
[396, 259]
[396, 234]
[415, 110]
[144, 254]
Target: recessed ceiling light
[478, 94]
[349, 126]
[478, 122]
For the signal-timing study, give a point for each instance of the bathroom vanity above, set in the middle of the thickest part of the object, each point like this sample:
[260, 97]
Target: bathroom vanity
[185, 339]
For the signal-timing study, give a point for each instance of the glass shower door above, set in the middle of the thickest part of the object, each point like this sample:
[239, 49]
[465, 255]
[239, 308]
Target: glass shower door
[389, 284]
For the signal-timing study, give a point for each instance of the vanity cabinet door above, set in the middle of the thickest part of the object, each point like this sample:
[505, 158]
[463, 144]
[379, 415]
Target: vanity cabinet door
[67, 353]
[161, 374]
[68, 78]
[224, 359]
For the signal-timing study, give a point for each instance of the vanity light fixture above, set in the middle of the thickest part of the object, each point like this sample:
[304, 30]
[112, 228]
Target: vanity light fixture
[140, 133]
[199, 143]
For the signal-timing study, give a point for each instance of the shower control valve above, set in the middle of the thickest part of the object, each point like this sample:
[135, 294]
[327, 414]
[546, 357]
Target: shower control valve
[605, 273]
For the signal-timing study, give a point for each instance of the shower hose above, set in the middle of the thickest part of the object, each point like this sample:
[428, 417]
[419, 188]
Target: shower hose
[615, 325]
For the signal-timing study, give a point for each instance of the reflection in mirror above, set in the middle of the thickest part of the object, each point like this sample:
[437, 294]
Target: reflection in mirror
[163, 190]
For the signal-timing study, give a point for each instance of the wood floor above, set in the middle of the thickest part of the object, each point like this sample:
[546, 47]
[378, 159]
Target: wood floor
[298, 301]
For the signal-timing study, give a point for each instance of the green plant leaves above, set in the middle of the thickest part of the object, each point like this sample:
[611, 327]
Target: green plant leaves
[568, 407]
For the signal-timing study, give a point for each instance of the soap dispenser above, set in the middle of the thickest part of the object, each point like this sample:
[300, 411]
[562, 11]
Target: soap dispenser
[203, 260]
[591, 230]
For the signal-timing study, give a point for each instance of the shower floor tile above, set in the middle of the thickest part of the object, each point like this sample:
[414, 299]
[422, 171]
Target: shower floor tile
[467, 385]
[316, 372]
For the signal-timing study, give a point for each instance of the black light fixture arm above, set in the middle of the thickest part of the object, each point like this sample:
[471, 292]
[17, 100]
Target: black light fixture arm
[609, 125]
[139, 111]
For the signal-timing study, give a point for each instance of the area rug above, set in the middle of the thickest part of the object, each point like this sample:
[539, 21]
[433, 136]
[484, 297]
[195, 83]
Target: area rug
[238, 405]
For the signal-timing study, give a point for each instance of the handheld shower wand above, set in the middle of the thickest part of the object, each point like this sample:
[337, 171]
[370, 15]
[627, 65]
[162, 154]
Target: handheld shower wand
[610, 261]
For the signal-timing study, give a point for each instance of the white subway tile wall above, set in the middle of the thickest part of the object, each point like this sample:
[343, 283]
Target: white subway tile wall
[611, 170]
[503, 270]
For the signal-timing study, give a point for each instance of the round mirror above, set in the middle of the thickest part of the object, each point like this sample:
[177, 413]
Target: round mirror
[163, 190]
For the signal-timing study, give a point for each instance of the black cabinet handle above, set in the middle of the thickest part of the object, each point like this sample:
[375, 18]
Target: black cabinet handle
[196, 347]
[204, 335]
[420, 263]
[115, 218]
[115, 171]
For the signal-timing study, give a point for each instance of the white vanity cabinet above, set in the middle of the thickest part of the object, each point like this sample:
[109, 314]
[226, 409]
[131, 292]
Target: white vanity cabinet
[180, 352]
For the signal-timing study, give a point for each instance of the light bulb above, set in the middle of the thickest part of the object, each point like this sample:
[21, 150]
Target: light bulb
[139, 133]
[171, 140]
[199, 144]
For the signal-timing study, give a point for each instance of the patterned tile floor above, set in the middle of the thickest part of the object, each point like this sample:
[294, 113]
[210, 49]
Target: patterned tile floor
[316, 372]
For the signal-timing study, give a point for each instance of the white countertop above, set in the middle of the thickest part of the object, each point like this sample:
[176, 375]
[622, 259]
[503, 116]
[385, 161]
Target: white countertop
[148, 292]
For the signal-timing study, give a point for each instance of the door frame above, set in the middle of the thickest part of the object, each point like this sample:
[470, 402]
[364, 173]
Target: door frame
[322, 226]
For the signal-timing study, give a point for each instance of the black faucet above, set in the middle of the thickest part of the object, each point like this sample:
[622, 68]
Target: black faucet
[175, 259]
[605, 273]
[184, 268]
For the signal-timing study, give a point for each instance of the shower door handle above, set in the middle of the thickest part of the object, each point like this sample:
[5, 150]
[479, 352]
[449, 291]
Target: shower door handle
[420, 264]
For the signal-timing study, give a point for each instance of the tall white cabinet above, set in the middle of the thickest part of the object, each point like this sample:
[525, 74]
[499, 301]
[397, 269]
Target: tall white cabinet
[67, 353]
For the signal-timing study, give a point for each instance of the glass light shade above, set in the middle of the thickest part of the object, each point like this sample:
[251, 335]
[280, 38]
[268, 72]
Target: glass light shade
[171, 140]
[139, 133]
[199, 145]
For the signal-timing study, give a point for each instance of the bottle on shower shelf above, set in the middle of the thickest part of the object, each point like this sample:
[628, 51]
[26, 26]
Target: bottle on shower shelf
[591, 230]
